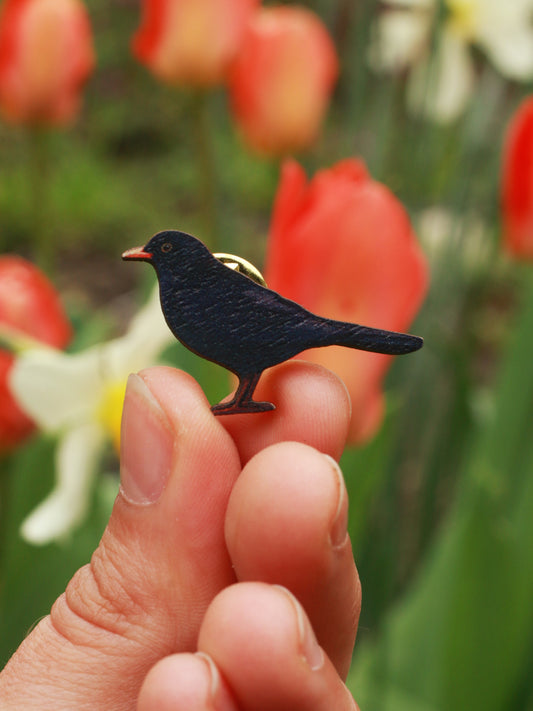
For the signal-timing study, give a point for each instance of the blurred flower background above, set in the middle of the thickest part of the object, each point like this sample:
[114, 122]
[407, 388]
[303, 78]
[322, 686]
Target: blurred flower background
[376, 160]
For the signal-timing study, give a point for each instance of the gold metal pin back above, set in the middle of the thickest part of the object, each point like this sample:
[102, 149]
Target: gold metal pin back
[241, 265]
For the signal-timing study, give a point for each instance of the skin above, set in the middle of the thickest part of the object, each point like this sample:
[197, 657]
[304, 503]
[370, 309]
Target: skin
[235, 589]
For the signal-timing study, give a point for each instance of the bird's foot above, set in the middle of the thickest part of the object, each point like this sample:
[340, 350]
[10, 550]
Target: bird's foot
[236, 407]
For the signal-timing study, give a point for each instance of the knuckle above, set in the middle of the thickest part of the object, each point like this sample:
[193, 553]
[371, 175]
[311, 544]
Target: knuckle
[100, 598]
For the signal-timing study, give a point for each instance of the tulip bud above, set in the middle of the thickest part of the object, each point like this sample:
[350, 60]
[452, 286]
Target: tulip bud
[46, 55]
[191, 42]
[517, 183]
[343, 247]
[28, 303]
[283, 78]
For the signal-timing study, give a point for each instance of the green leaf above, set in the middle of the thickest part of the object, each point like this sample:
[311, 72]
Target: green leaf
[32, 577]
[461, 637]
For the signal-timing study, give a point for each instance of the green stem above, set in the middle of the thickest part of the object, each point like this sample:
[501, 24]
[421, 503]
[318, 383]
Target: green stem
[205, 161]
[4, 502]
[39, 165]
[499, 455]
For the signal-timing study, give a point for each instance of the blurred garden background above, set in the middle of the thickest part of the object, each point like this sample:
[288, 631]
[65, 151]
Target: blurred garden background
[150, 123]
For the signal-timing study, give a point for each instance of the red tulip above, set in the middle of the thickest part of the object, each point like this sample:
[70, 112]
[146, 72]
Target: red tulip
[282, 79]
[517, 183]
[46, 55]
[28, 303]
[191, 42]
[343, 247]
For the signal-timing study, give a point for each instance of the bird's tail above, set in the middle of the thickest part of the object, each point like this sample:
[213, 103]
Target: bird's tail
[372, 339]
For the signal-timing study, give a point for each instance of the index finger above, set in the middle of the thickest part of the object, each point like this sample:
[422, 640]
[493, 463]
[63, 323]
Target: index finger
[312, 406]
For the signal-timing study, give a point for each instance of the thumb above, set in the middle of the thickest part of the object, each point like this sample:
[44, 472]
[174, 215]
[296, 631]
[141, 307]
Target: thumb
[160, 562]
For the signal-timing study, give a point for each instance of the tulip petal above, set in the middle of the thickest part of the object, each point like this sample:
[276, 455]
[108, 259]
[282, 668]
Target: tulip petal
[347, 252]
[517, 183]
[287, 206]
[16, 340]
[67, 505]
[57, 389]
[282, 79]
[191, 41]
[47, 56]
[30, 304]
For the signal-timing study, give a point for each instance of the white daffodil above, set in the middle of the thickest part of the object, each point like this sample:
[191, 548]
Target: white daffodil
[79, 398]
[441, 84]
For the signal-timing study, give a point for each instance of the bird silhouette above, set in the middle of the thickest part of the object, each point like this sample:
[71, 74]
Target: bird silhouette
[226, 317]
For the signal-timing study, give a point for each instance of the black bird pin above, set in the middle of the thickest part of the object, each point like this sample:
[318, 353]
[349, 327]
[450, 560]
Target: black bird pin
[224, 316]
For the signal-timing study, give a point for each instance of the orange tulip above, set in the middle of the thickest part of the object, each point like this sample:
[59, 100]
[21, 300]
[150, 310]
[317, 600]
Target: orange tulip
[517, 183]
[46, 55]
[343, 247]
[30, 304]
[282, 79]
[191, 42]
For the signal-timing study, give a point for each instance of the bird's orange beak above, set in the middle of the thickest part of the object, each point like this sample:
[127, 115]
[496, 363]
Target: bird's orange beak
[137, 254]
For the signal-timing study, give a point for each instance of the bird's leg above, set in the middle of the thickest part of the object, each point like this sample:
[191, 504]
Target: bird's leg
[242, 401]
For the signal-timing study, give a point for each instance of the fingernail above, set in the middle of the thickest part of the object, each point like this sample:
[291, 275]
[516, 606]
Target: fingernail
[146, 444]
[309, 647]
[214, 684]
[220, 697]
[339, 527]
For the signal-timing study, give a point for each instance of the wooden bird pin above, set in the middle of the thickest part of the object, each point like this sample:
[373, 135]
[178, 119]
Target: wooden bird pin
[226, 317]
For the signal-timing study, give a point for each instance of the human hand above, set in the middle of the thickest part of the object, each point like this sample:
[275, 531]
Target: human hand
[180, 607]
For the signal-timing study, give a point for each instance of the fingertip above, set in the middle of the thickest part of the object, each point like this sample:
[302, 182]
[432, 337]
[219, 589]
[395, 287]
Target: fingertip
[312, 406]
[248, 624]
[286, 524]
[205, 462]
[175, 390]
[179, 681]
[288, 498]
[262, 641]
[185, 682]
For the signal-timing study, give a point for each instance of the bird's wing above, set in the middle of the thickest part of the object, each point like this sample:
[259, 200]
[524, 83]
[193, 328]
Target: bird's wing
[292, 322]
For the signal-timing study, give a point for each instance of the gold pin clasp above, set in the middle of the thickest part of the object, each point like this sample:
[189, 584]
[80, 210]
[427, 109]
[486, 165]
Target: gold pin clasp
[241, 265]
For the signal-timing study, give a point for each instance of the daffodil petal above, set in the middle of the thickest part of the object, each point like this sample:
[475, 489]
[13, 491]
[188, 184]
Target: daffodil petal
[67, 505]
[503, 30]
[435, 227]
[493, 16]
[440, 88]
[57, 389]
[511, 52]
[400, 39]
[147, 336]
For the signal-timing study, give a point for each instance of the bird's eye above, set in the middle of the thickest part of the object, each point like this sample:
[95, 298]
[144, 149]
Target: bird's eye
[166, 247]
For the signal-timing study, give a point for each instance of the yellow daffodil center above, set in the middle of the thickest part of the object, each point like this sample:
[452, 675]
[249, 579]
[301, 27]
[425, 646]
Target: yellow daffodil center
[110, 410]
[463, 14]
